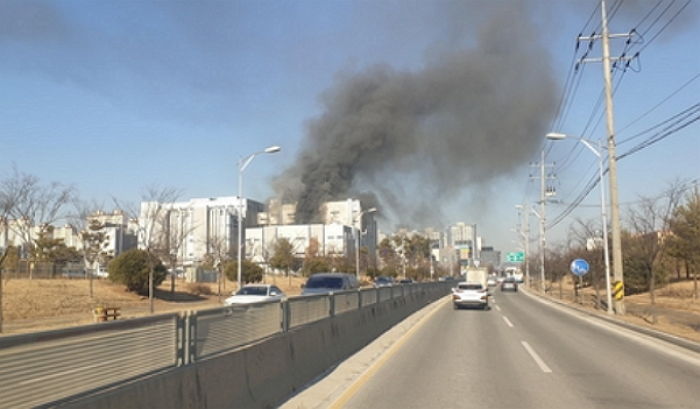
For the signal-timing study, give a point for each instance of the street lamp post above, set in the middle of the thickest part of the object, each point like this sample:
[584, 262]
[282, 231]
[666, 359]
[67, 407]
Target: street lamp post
[603, 213]
[357, 244]
[242, 164]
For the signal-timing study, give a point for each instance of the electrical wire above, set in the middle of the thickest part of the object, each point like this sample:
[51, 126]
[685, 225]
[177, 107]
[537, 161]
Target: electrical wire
[664, 27]
[593, 182]
[682, 115]
[634, 121]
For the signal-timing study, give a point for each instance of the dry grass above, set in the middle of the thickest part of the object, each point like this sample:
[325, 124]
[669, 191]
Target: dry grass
[675, 311]
[43, 299]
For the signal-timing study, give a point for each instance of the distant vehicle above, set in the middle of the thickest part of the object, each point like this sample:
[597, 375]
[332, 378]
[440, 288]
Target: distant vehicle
[477, 275]
[406, 281]
[470, 294]
[383, 281]
[446, 278]
[492, 282]
[516, 273]
[253, 293]
[509, 284]
[323, 283]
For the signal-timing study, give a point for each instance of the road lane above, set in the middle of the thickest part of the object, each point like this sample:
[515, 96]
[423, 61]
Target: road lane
[601, 366]
[470, 358]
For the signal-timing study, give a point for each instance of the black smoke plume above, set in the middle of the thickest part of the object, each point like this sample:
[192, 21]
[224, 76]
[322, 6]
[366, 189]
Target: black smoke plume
[416, 138]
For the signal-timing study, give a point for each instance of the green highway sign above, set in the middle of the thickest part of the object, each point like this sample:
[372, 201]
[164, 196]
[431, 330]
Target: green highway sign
[516, 257]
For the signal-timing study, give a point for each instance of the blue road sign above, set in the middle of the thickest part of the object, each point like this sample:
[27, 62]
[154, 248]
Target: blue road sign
[579, 267]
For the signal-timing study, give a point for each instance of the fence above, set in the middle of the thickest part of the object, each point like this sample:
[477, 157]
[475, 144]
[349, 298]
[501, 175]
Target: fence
[54, 365]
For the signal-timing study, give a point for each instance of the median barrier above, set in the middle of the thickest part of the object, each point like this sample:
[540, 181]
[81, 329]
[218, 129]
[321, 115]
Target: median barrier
[268, 372]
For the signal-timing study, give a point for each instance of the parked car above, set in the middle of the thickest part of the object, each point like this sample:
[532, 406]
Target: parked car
[509, 284]
[383, 281]
[406, 281]
[470, 294]
[253, 293]
[322, 283]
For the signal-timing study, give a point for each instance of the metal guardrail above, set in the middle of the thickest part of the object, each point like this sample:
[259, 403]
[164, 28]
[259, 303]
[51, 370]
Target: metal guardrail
[368, 296]
[384, 293]
[307, 309]
[49, 366]
[346, 301]
[222, 329]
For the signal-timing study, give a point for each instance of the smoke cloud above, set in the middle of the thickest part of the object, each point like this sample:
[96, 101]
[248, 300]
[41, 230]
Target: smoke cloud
[465, 119]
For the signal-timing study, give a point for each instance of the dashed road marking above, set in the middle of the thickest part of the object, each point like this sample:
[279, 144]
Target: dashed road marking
[543, 366]
[510, 324]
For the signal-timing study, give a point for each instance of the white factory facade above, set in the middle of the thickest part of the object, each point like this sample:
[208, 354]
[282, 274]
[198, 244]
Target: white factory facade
[195, 227]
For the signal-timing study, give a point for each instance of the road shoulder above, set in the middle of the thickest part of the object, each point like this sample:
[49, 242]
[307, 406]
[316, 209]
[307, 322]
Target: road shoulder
[330, 387]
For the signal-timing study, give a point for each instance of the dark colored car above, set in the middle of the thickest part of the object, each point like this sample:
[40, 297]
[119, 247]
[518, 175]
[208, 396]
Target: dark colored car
[383, 281]
[323, 283]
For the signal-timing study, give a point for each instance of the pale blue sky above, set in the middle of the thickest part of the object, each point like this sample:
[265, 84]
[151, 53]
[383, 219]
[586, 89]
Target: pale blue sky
[113, 96]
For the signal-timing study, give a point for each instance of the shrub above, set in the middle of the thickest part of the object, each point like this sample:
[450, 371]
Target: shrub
[132, 268]
[252, 273]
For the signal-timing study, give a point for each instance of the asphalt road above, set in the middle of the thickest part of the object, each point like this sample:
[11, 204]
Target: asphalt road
[525, 354]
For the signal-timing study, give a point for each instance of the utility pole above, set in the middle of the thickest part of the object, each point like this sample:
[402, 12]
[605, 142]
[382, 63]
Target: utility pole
[544, 193]
[525, 234]
[612, 159]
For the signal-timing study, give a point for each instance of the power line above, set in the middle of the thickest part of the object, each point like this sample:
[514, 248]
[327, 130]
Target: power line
[682, 115]
[634, 121]
[665, 26]
[593, 182]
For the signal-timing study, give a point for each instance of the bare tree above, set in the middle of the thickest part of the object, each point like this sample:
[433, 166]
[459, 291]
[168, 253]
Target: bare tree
[153, 215]
[91, 234]
[650, 223]
[684, 244]
[219, 252]
[177, 229]
[8, 200]
[36, 207]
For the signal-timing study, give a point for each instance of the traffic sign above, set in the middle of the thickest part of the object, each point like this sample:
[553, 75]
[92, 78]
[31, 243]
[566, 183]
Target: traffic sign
[579, 267]
[515, 257]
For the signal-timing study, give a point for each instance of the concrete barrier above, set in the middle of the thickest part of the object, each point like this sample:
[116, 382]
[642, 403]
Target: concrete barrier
[264, 374]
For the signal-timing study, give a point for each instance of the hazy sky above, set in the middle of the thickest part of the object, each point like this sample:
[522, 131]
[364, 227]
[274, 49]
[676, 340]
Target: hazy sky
[114, 96]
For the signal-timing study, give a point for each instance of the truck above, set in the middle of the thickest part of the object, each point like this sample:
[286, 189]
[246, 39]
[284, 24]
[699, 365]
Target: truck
[477, 275]
[473, 291]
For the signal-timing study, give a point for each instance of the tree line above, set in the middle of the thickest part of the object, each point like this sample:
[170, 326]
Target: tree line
[660, 244]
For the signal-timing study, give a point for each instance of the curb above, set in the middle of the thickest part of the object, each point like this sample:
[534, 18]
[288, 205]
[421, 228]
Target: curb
[673, 339]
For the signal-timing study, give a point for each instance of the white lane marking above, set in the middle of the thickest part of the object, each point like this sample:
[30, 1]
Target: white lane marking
[536, 357]
[659, 345]
[510, 324]
[494, 300]
[498, 308]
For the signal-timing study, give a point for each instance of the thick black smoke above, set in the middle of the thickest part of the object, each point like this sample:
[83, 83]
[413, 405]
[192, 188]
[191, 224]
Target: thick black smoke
[465, 119]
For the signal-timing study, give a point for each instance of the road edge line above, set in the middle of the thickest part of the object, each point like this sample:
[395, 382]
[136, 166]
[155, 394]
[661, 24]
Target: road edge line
[686, 345]
[365, 376]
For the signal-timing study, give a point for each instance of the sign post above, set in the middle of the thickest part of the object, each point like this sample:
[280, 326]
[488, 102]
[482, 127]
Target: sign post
[579, 268]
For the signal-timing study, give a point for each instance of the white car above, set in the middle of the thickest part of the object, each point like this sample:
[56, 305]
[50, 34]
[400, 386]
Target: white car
[470, 294]
[253, 293]
[492, 282]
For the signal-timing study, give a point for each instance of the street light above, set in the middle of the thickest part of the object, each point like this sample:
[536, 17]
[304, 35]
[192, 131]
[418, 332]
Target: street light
[242, 164]
[555, 136]
[357, 246]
